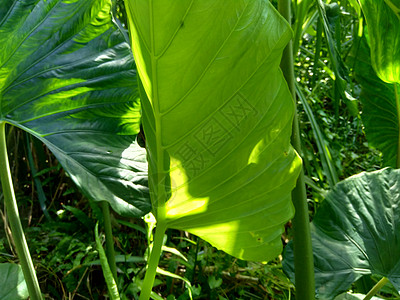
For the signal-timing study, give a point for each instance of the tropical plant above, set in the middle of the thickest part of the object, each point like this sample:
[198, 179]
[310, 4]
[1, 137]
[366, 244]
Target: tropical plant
[353, 234]
[67, 77]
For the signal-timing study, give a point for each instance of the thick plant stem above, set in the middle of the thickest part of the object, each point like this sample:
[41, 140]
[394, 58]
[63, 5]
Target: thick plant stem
[109, 239]
[10, 203]
[376, 288]
[303, 256]
[153, 262]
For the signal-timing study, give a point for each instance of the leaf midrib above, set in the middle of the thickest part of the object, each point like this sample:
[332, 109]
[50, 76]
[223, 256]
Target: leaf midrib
[161, 197]
[206, 68]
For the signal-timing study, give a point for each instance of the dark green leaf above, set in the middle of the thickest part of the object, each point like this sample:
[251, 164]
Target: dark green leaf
[12, 283]
[380, 113]
[355, 232]
[67, 77]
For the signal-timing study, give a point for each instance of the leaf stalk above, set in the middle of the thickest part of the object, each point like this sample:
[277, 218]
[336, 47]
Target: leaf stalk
[110, 253]
[153, 261]
[303, 255]
[381, 283]
[10, 203]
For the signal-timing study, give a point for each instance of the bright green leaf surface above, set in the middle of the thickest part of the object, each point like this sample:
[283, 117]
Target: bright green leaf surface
[12, 283]
[383, 20]
[67, 77]
[380, 113]
[355, 232]
[217, 120]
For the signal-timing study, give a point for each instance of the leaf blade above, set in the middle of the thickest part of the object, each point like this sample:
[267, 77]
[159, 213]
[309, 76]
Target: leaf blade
[67, 77]
[380, 112]
[354, 233]
[209, 131]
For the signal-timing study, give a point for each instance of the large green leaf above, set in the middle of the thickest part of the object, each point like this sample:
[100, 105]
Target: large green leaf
[380, 112]
[383, 21]
[67, 77]
[381, 90]
[355, 232]
[217, 120]
[12, 283]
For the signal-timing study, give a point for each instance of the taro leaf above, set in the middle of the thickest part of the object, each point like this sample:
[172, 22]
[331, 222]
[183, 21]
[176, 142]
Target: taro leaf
[380, 113]
[67, 77]
[217, 120]
[355, 233]
[383, 21]
[12, 283]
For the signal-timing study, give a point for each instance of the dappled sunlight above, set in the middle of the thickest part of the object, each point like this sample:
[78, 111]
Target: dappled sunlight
[216, 234]
[178, 205]
[254, 157]
[186, 208]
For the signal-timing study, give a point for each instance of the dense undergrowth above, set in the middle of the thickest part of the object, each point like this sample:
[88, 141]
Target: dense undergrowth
[67, 262]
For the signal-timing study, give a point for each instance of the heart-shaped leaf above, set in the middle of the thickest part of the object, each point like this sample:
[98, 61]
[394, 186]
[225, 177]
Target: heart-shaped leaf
[355, 232]
[217, 117]
[67, 77]
[383, 21]
[380, 113]
[12, 283]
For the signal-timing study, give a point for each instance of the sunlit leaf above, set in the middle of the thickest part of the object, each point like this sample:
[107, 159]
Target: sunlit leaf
[383, 21]
[67, 77]
[217, 116]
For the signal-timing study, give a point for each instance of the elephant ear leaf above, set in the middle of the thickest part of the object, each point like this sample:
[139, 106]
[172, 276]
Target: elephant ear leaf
[217, 116]
[67, 77]
[355, 233]
[380, 113]
[383, 21]
[377, 68]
